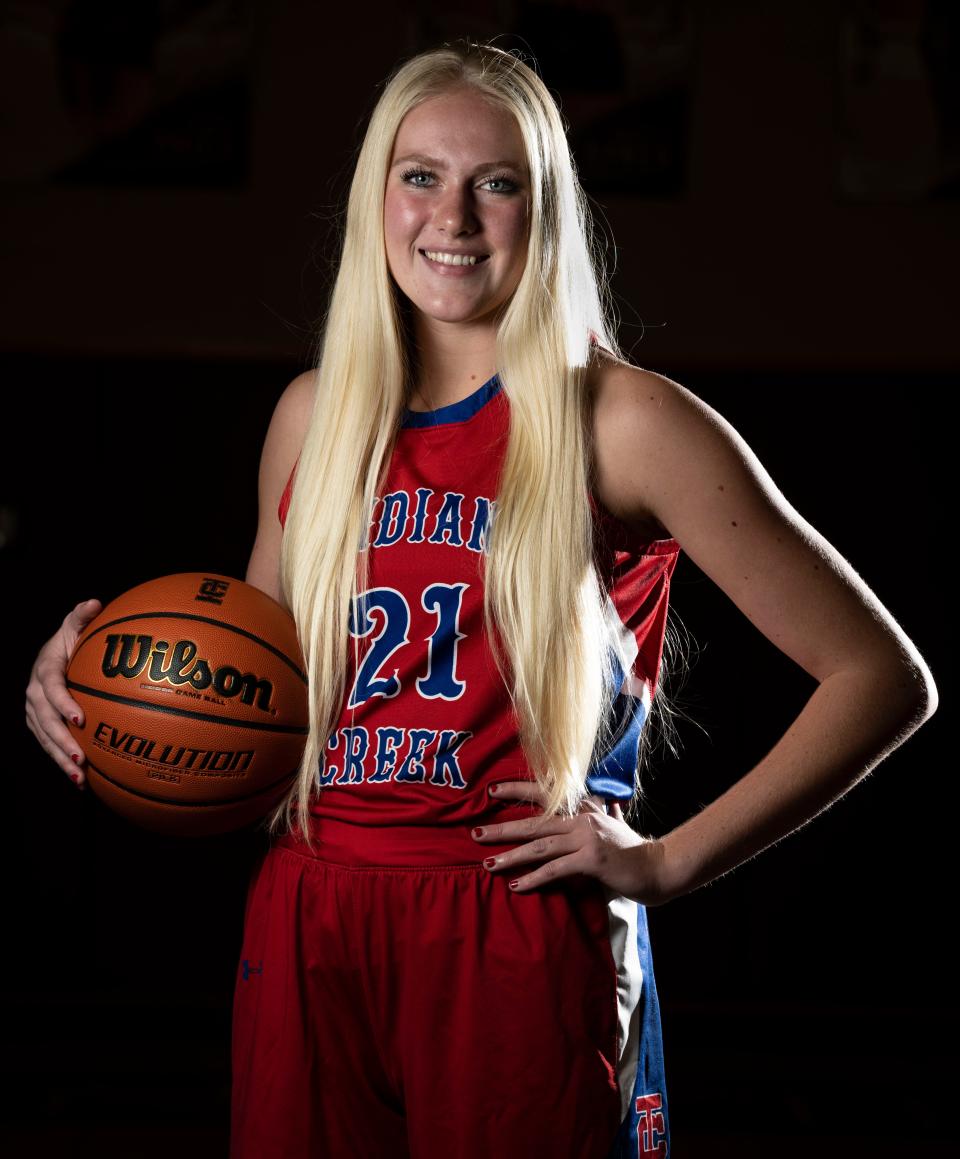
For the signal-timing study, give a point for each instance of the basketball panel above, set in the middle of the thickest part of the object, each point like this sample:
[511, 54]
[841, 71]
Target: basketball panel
[190, 761]
[173, 662]
[182, 819]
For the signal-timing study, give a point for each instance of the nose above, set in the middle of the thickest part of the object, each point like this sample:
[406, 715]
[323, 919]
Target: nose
[455, 212]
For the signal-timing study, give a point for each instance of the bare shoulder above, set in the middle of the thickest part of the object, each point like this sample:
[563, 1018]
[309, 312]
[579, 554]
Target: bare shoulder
[295, 405]
[288, 427]
[642, 421]
[664, 456]
[285, 435]
[281, 448]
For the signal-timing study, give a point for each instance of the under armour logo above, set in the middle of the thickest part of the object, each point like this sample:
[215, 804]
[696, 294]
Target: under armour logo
[249, 969]
[651, 1131]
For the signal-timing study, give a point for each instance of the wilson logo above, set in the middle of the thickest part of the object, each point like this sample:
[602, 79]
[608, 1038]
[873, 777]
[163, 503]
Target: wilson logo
[128, 656]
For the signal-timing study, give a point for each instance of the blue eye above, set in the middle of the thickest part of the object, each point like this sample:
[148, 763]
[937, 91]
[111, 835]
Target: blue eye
[416, 173]
[503, 180]
[409, 177]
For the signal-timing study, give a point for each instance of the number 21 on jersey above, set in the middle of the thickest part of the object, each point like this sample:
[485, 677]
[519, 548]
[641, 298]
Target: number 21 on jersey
[390, 608]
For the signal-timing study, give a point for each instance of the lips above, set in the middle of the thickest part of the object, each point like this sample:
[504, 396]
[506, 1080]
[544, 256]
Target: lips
[443, 270]
[455, 254]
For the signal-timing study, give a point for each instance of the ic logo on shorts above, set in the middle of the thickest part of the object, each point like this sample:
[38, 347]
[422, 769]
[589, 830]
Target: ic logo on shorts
[651, 1130]
[212, 591]
[249, 968]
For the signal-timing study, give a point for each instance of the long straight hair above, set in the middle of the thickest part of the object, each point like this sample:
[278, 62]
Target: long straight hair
[546, 612]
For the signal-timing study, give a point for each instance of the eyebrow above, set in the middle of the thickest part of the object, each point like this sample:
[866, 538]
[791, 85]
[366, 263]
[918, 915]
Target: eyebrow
[434, 163]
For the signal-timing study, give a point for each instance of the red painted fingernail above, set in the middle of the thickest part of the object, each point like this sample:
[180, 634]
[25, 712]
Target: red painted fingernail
[75, 758]
[477, 832]
[76, 720]
[493, 790]
[490, 862]
[514, 884]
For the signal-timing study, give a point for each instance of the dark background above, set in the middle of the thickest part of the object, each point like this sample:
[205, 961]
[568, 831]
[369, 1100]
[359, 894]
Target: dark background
[781, 183]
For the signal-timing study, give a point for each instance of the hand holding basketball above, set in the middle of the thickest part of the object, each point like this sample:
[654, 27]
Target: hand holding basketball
[194, 700]
[48, 701]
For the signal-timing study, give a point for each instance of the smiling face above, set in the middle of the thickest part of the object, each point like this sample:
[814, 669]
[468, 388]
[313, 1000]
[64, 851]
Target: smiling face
[458, 186]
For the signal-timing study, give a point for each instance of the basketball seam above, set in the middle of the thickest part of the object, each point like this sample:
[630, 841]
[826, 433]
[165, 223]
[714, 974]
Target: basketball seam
[121, 787]
[202, 620]
[261, 726]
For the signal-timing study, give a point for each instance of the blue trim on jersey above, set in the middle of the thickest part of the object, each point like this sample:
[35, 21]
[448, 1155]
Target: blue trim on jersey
[455, 412]
[646, 1128]
[612, 774]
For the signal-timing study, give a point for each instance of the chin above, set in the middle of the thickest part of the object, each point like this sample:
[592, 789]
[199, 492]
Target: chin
[464, 310]
[439, 313]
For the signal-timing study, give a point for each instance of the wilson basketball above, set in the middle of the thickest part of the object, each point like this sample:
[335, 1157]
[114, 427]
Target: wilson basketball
[195, 704]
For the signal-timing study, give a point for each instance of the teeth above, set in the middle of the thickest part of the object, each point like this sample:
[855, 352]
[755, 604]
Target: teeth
[452, 259]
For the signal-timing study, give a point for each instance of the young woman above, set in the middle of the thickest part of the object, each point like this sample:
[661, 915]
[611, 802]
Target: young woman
[445, 949]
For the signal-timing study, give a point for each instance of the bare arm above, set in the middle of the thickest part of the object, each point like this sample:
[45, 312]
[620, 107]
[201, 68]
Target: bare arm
[665, 457]
[280, 450]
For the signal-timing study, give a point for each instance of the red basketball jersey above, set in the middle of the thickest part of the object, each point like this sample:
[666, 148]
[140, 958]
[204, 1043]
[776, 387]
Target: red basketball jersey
[427, 724]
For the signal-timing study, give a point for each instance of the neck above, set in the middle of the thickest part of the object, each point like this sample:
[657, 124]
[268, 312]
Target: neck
[450, 360]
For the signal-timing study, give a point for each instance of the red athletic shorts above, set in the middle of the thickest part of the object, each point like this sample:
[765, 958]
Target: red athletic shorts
[394, 998]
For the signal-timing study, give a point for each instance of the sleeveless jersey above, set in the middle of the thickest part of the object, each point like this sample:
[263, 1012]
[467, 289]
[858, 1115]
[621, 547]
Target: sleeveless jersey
[427, 723]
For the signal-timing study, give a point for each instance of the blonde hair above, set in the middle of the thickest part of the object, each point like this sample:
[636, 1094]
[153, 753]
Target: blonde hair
[543, 598]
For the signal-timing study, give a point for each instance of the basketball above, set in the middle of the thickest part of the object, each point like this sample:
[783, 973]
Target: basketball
[195, 703]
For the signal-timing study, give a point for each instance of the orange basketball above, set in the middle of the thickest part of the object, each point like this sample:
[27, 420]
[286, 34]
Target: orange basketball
[195, 704]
